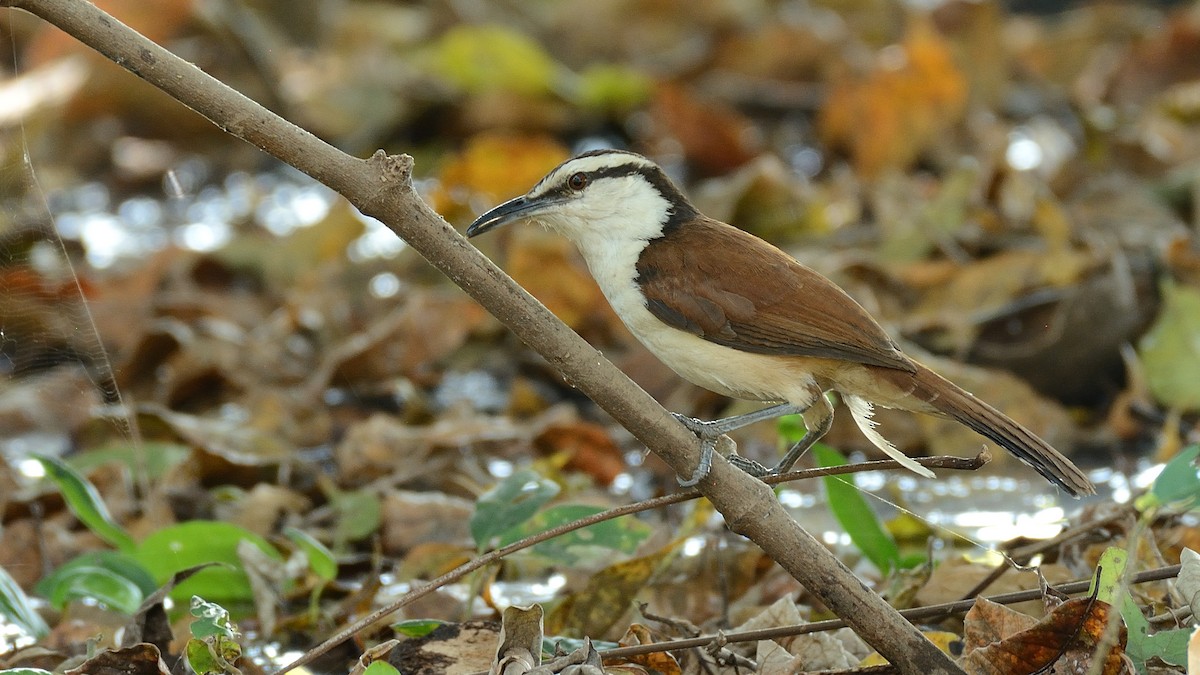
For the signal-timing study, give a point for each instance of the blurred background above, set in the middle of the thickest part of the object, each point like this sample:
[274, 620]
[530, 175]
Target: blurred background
[1012, 189]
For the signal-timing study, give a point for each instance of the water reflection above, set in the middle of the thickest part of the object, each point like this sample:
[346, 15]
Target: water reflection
[195, 214]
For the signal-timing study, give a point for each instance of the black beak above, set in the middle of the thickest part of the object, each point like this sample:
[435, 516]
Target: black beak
[513, 209]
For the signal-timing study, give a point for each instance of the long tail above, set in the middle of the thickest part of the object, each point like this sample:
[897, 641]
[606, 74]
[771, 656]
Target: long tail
[948, 399]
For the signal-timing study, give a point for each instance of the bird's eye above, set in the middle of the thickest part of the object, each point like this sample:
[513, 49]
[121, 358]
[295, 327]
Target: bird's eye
[577, 181]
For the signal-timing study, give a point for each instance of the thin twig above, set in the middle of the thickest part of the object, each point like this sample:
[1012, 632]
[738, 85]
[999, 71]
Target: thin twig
[924, 614]
[382, 187]
[967, 464]
[1022, 555]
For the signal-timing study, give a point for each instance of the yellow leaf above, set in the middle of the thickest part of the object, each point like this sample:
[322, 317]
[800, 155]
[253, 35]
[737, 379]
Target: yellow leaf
[488, 58]
[1170, 350]
[491, 168]
[889, 117]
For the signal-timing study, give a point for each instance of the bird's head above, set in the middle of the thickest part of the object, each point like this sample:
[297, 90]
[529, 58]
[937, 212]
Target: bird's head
[606, 194]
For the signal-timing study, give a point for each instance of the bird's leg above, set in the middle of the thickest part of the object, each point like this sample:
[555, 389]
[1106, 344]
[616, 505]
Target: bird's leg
[715, 428]
[818, 418]
[709, 431]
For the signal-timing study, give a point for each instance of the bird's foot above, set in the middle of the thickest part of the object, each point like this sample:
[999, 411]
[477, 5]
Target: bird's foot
[750, 466]
[713, 433]
[707, 447]
[702, 428]
[712, 436]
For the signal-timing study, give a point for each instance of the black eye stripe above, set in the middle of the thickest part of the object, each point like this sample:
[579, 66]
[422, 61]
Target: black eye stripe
[681, 211]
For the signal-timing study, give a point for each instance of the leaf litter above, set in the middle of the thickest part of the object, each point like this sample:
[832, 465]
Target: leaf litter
[1015, 191]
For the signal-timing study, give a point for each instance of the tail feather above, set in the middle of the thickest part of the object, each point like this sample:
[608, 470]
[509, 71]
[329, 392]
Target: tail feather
[948, 399]
[863, 414]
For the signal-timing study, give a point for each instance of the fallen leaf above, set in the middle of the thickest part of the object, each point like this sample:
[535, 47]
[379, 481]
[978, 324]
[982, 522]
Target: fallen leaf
[715, 138]
[520, 640]
[490, 168]
[549, 267]
[1001, 641]
[886, 119]
[140, 659]
[480, 58]
[1170, 352]
[607, 596]
[659, 662]
[587, 448]
[451, 649]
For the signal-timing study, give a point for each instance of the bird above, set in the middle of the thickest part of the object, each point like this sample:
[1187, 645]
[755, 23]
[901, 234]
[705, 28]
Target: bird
[732, 313]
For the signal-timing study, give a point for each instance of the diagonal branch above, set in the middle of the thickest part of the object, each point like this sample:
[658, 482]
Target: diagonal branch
[381, 187]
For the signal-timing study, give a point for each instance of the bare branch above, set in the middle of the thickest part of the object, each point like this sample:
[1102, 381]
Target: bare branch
[381, 187]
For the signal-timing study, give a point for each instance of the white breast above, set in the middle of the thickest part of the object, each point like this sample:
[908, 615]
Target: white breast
[721, 369]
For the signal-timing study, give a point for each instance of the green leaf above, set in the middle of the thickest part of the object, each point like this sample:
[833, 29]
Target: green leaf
[417, 628]
[25, 671]
[855, 515]
[214, 646]
[791, 428]
[211, 619]
[154, 457]
[120, 564]
[1142, 645]
[104, 586]
[1108, 584]
[620, 534]
[320, 559]
[213, 655]
[381, 668]
[185, 545]
[480, 58]
[16, 607]
[1169, 350]
[613, 88]
[359, 514]
[84, 501]
[509, 504]
[1178, 485]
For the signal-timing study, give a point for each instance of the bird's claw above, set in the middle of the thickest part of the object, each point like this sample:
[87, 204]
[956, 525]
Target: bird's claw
[750, 466]
[712, 435]
[703, 429]
[707, 446]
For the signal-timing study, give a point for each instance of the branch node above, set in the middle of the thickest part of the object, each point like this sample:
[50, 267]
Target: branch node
[392, 168]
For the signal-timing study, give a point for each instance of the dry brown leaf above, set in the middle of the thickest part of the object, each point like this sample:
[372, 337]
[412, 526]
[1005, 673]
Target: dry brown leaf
[412, 518]
[1001, 641]
[587, 448]
[520, 648]
[659, 662]
[888, 118]
[548, 266]
[607, 597]
[384, 445]
[411, 341]
[451, 649]
[141, 659]
[493, 167]
[953, 578]
[956, 304]
[715, 138]
[433, 559]
[264, 506]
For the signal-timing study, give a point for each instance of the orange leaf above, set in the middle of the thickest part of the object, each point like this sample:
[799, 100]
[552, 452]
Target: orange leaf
[715, 139]
[1004, 642]
[897, 111]
[590, 448]
[659, 662]
[493, 167]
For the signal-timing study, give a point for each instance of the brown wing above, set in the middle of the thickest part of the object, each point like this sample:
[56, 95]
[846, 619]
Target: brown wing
[729, 287]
